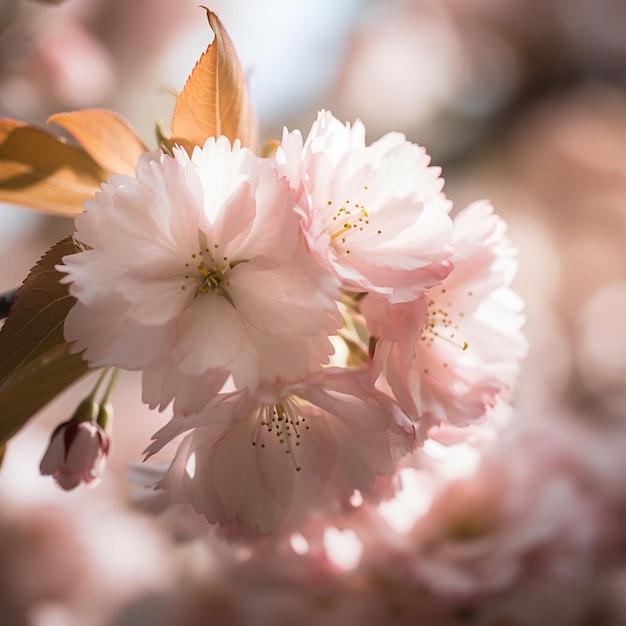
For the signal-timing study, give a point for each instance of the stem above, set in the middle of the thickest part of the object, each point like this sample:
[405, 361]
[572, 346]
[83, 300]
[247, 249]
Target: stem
[105, 413]
[98, 384]
[112, 382]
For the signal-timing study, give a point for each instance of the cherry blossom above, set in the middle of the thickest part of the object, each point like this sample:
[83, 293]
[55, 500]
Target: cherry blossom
[510, 517]
[448, 355]
[373, 215]
[248, 460]
[193, 271]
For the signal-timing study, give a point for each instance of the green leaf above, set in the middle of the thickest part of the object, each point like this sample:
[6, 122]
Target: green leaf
[35, 363]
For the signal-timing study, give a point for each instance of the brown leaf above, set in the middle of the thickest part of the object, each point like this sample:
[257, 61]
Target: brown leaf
[106, 137]
[215, 100]
[35, 321]
[36, 385]
[35, 364]
[43, 172]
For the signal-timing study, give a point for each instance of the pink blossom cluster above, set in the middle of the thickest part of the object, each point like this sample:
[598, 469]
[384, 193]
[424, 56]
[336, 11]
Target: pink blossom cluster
[463, 533]
[312, 317]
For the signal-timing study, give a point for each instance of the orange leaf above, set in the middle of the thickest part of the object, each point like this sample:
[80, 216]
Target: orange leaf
[106, 137]
[43, 172]
[215, 100]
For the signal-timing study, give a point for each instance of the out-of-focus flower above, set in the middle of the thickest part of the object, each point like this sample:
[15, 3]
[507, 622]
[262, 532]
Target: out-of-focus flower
[375, 216]
[486, 531]
[44, 560]
[77, 453]
[448, 355]
[246, 461]
[195, 272]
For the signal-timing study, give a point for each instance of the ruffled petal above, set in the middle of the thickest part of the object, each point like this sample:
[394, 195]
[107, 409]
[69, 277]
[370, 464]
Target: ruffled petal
[211, 335]
[113, 340]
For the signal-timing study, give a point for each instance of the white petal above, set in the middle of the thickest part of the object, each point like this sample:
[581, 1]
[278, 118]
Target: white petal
[241, 487]
[113, 340]
[211, 335]
[154, 301]
[285, 299]
[163, 382]
[92, 278]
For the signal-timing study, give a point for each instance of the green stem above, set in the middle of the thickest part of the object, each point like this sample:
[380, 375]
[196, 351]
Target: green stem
[94, 391]
[112, 382]
[105, 413]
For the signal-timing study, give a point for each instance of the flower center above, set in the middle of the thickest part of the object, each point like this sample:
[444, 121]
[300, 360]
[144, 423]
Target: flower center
[214, 278]
[442, 323]
[281, 423]
[469, 526]
[210, 273]
[350, 219]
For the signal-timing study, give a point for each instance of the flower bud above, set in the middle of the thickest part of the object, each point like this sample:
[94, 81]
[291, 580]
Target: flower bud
[77, 453]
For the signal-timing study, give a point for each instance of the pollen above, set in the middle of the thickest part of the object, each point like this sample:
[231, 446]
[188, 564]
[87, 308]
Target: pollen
[281, 424]
[351, 219]
[211, 274]
[442, 323]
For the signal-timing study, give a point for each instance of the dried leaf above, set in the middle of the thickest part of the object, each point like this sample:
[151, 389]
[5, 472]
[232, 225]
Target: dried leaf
[43, 172]
[35, 364]
[106, 137]
[215, 100]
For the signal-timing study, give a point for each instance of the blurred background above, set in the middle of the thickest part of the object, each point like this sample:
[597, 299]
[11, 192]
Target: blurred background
[522, 102]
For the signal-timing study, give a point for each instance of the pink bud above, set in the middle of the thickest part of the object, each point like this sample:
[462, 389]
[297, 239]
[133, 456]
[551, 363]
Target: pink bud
[77, 453]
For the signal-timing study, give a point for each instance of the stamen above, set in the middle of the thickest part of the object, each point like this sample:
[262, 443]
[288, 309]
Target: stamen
[347, 221]
[211, 275]
[283, 419]
[441, 325]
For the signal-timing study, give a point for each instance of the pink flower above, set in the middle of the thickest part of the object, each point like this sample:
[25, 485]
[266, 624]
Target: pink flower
[375, 216]
[77, 453]
[524, 511]
[448, 355]
[196, 272]
[248, 460]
